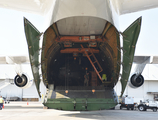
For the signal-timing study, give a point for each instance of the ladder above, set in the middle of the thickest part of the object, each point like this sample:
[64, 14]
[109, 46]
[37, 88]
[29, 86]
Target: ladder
[93, 63]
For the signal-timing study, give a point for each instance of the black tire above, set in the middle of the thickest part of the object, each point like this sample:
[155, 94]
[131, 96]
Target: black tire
[132, 108]
[154, 109]
[141, 108]
[127, 107]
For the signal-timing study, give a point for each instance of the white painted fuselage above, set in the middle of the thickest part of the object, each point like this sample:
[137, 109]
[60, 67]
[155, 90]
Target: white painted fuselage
[102, 9]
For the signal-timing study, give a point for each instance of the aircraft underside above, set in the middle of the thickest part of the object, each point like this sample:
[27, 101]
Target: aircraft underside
[80, 62]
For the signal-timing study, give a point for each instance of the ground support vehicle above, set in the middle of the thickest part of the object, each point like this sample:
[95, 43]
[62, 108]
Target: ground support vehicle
[127, 102]
[143, 106]
[128, 106]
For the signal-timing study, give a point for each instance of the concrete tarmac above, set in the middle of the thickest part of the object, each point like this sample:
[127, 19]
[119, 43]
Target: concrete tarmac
[35, 111]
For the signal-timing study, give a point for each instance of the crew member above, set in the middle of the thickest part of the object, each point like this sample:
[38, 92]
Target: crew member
[104, 78]
[1, 102]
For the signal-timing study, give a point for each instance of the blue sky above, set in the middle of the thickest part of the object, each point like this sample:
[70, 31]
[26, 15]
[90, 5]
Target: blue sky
[13, 41]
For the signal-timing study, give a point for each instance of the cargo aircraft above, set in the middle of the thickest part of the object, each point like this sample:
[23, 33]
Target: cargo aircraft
[81, 58]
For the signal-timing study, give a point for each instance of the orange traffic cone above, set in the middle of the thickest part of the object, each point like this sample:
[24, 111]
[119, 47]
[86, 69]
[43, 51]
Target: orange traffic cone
[3, 106]
[27, 103]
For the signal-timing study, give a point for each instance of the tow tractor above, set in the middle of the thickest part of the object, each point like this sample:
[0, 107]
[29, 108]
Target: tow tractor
[143, 106]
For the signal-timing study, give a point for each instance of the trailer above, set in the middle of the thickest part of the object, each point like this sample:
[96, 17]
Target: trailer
[127, 102]
[143, 106]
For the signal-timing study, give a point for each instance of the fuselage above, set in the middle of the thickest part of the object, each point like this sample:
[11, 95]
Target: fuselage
[80, 40]
[81, 55]
[79, 23]
[90, 8]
